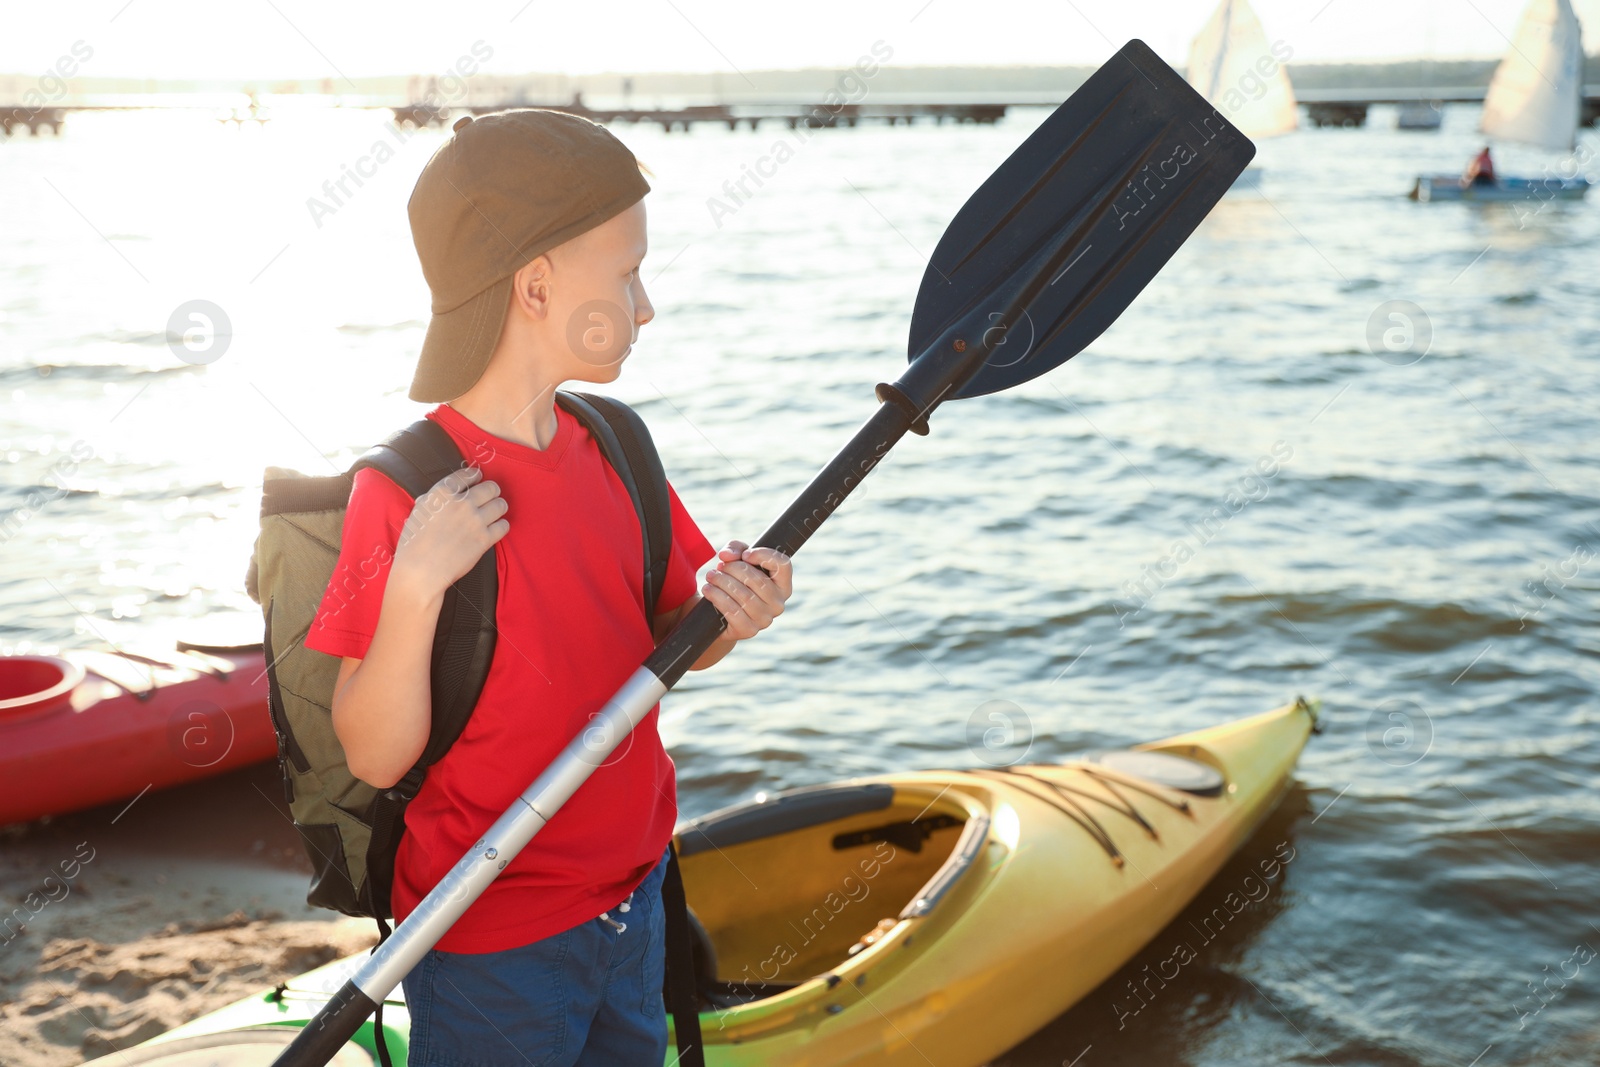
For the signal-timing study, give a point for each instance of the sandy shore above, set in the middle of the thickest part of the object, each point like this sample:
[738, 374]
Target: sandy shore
[142, 917]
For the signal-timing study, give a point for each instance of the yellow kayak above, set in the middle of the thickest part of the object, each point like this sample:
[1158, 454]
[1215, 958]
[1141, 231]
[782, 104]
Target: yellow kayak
[909, 918]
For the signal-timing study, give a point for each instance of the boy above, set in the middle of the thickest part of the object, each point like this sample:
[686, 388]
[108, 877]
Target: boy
[530, 227]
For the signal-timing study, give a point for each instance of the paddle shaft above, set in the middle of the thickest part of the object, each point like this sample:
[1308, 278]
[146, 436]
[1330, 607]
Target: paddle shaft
[804, 515]
[905, 405]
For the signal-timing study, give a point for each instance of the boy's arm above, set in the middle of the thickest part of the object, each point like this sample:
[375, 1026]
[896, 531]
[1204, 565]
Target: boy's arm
[382, 703]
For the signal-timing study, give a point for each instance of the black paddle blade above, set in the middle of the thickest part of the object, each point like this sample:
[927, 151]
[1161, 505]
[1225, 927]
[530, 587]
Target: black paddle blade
[1061, 238]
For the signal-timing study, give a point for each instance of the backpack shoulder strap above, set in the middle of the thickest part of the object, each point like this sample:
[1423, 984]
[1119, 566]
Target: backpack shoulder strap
[415, 458]
[678, 978]
[464, 638]
[625, 441]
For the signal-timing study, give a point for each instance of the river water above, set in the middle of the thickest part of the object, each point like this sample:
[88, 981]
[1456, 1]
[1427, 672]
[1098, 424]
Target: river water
[1409, 535]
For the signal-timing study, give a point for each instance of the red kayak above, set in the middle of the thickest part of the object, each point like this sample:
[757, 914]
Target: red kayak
[86, 728]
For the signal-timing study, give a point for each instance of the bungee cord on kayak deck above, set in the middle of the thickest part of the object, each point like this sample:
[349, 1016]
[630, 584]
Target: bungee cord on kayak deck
[1076, 811]
[1064, 803]
[1208, 782]
[191, 658]
[1104, 777]
[1126, 807]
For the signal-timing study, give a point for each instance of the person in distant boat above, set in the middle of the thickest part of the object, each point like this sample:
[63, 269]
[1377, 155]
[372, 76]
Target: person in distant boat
[1481, 170]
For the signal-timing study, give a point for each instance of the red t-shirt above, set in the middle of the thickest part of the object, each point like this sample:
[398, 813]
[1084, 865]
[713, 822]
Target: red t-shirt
[570, 612]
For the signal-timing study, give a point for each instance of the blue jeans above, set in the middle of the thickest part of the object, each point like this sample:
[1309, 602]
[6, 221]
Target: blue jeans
[586, 997]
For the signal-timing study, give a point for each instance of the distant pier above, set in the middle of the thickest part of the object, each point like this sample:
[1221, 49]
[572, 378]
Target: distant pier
[812, 116]
[31, 120]
[1324, 107]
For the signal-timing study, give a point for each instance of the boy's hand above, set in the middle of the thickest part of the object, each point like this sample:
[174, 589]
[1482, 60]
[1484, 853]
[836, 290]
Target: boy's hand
[450, 527]
[749, 586]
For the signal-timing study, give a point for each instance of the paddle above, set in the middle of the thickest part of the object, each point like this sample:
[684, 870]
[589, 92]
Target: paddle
[1042, 258]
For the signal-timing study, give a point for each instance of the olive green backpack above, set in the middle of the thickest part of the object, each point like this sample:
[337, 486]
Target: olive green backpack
[351, 830]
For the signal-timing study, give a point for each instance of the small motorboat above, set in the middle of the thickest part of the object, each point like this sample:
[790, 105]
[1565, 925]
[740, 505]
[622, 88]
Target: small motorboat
[957, 911]
[87, 727]
[1419, 115]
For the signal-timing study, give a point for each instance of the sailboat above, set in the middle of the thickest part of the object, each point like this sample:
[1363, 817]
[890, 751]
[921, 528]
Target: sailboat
[1234, 67]
[1535, 97]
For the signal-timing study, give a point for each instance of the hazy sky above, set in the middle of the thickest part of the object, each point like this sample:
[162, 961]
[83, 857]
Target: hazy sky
[307, 39]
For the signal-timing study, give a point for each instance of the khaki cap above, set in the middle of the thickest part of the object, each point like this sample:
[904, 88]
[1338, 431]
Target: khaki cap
[503, 189]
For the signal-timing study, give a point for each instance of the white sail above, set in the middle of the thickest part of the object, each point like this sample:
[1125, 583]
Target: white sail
[1534, 96]
[1232, 66]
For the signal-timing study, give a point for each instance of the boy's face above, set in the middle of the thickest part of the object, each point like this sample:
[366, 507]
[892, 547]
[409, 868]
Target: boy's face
[597, 297]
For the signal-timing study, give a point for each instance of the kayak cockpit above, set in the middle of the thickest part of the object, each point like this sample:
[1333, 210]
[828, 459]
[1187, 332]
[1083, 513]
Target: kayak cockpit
[801, 884]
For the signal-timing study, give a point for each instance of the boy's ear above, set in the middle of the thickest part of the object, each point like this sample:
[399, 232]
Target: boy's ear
[530, 288]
